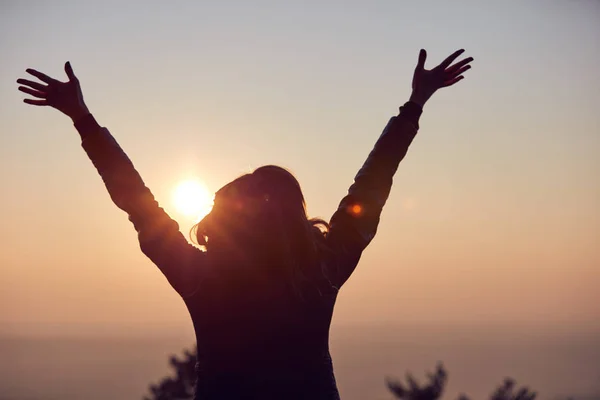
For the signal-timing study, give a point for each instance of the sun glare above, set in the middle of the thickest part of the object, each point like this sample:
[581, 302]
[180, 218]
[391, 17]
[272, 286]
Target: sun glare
[193, 199]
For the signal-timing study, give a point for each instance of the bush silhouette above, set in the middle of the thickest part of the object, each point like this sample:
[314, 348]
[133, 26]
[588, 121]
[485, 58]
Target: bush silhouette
[413, 391]
[180, 386]
[434, 388]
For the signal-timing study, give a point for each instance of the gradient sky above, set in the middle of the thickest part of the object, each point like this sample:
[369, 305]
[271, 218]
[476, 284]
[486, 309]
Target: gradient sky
[494, 216]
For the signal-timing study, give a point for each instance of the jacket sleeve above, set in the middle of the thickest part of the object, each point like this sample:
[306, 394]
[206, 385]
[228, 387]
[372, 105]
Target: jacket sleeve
[159, 236]
[354, 225]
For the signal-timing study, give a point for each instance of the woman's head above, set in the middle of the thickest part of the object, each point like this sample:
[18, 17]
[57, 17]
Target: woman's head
[262, 215]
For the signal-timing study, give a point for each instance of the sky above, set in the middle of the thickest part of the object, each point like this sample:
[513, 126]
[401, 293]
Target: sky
[494, 216]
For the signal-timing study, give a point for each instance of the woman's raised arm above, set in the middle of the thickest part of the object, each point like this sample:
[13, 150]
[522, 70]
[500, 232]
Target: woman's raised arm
[354, 224]
[159, 235]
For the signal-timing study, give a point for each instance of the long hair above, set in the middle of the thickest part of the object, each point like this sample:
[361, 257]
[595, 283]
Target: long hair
[264, 214]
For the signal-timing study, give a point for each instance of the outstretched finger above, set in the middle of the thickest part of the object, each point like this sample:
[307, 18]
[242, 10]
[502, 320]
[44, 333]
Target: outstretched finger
[459, 64]
[451, 58]
[459, 71]
[42, 77]
[33, 85]
[453, 81]
[36, 102]
[69, 71]
[34, 93]
[422, 58]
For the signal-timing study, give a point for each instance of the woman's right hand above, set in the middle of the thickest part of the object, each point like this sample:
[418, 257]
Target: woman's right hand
[66, 97]
[427, 81]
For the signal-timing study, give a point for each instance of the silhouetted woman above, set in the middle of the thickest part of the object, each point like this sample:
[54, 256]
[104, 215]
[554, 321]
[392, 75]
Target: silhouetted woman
[261, 292]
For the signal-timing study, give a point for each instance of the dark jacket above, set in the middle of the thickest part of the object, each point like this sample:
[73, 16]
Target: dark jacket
[257, 343]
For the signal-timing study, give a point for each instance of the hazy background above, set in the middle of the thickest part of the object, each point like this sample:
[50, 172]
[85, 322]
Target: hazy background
[493, 223]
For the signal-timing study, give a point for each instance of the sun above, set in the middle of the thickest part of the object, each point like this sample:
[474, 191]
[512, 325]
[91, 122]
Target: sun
[192, 199]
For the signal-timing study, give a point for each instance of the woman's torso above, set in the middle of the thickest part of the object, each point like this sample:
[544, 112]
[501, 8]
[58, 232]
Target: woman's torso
[258, 339]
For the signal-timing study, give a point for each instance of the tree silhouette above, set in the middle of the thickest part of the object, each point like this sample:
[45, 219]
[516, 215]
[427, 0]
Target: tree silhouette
[433, 389]
[181, 385]
[178, 387]
[413, 391]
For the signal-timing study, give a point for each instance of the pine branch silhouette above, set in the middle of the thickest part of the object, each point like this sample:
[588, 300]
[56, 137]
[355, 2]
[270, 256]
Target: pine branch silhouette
[412, 390]
[181, 385]
[434, 388]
